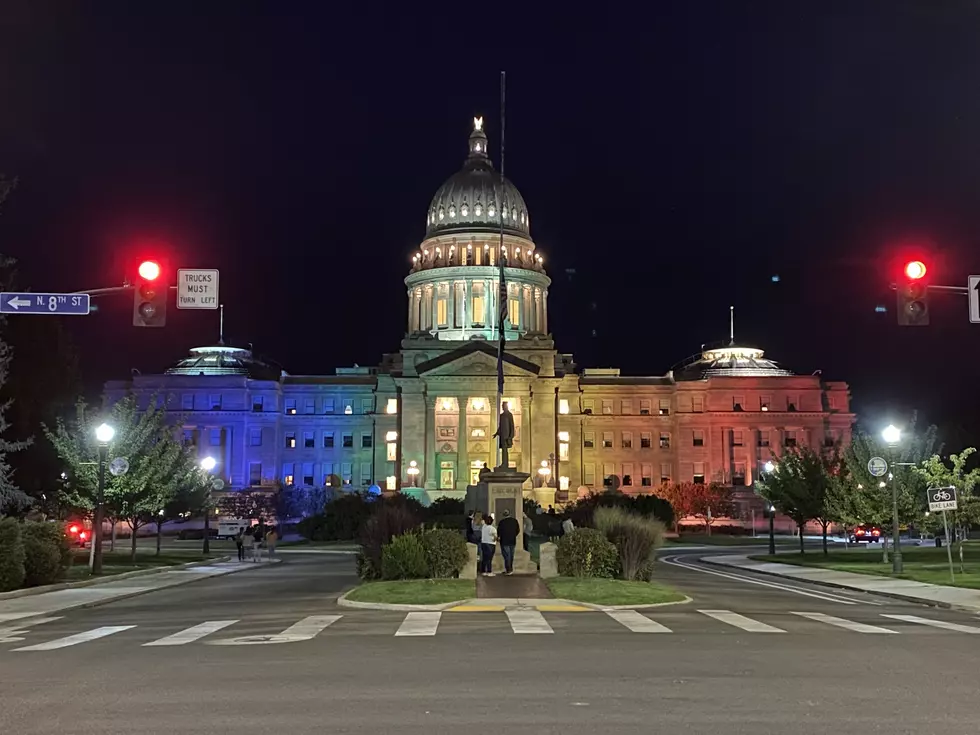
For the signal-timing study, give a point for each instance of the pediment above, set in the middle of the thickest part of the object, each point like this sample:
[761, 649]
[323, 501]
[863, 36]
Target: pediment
[476, 361]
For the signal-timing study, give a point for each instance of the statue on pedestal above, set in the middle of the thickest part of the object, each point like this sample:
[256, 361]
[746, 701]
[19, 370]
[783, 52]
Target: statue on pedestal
[505, 435]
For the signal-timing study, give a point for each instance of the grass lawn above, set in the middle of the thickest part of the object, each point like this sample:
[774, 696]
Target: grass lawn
[699, 539]
[921, 564]
[117, 562]
[415, 591]
[321, 544]
[611, 591]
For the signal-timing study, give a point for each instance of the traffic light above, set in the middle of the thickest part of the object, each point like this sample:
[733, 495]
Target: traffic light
[150, 295]
[913, 295]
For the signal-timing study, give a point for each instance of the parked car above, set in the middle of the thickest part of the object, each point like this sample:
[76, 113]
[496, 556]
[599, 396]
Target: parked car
[866, 534]
[78, 534]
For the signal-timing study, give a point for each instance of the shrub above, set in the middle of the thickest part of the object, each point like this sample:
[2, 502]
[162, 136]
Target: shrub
[387, 521]
[445, 507]
[11, 555]
[586, 553]
[445, 553]
[582, 511]
[47, 553]
[635, 537]
[404, 558]
[454, 523]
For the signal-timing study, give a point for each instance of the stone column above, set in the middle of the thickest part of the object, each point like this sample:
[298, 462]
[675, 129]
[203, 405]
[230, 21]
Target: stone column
[451, 304]
[526, 442]
[462, 446]
[544, 310]
[428, 297]
[430, 469]
[411, 301]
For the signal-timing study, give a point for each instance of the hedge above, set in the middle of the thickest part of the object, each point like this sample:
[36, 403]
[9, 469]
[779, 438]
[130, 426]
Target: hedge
[12, 570]
[47, 553]
[586, 552]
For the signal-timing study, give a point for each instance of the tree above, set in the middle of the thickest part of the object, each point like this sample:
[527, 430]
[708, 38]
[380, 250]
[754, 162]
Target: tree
[159, 463]
[937, 473]
[698, 500]
[798, 488]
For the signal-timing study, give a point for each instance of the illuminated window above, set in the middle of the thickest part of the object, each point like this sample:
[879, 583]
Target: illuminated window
[607, 440]
[290, 440]
[664, 406]
[563, 405]
[391, 406]
[563, 451]
[390, 482]
[479, 304]
[348, 406]
[291, 406]
[392, 451]
[478, 432]
[287, 473]
[442, 313]
[765, 403]
[563, 483]
[391, 436]
[563, 436]
[346, 472]
[514, 312]
[665, 440]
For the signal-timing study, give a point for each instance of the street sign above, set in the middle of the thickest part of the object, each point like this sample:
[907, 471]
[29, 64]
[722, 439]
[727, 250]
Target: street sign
[877, 467]
[973, 292]
[44, 303]
[197, 288]
[941, 498]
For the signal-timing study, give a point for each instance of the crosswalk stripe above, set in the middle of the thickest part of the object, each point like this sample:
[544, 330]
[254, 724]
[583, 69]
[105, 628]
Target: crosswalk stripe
[740, 621]
[26, 625]
[934, 623]
[842, 623]
[189, 635]
[636, 622]
[74, 640]
[419, 623]
[310, 627]
[528, 621]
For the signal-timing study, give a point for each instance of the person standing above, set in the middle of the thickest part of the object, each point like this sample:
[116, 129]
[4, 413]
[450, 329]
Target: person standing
[507, 531]
[257, 537]
[270, 542]
[240, 543]
[247, 541]
[488, 544]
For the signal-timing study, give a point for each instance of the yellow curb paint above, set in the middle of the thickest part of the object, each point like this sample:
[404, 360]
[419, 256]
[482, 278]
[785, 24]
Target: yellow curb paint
[561, 608]
[477, 608]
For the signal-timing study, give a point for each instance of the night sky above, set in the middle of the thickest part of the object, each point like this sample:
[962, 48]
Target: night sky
[675, 158]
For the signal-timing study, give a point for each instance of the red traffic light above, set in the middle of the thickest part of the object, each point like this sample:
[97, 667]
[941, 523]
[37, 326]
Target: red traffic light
[915, 269]
[149, 270]
[73, 530]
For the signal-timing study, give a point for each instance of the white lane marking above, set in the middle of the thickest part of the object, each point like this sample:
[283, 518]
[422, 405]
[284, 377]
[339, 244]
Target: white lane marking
[934, 623]
[842, 623]
[74, 640]
[194, 633]
[419, 623]
[25, 627]
[637, 622]
[740, 621]
[672, 560]
[304, 630]
[528, 621]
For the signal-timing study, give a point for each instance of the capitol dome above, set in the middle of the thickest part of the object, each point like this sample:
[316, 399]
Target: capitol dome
[475, 198]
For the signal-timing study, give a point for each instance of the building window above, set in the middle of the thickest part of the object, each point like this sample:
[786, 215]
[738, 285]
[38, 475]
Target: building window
[391, 406]
[255, 436]
[665, 473]
[626, 407]
[367, 441]
[328, 405]
[627, 475]
[310, 405]
[563, 405]
[627, 440]
[290, 406]
[697, 404]
[829, 440]
[765, 403]
[254, 473]
[258, 404]
[367, 405]
[646, 475]
[478, 432]
[832, 402]
[792, 402]
[790, 438]
[645, 440]
[442, 313]
[348, 441]
[563, 451]
[589, 474]
[698, 438]
[607, 440]
[327, 474]
[187, 402]
[737, 438]
[190, 438]
[309, 440]
[391, 482]
[738, 402]
[287, 474]
[348, 406]
[328, 440]
[698, 477]
[588, 405]
[607, 407]
[738, 475]
[215, 402]
[563, 482]
[365, 473]
[308, 474]
[608, 475]
[514, 312]
[763, 438]
[215, 437]
[644, 406]
[664, 440]
[290, 440]
[588, 440]
[391, 451]
[479, 304]
[665, 407]
[346, 473]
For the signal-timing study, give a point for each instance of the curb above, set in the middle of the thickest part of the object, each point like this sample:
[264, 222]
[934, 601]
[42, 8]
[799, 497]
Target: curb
[604, 608]
[342, 601]
[836, 585]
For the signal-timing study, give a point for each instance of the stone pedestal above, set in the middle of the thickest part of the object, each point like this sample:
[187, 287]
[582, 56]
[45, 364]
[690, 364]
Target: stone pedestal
[549, 563]
[503, 490]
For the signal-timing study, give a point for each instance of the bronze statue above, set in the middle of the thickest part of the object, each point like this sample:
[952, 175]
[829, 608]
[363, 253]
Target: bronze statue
[505, 434]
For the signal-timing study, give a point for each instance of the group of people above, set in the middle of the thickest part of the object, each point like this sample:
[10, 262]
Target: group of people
[251, 541]
[480, 530]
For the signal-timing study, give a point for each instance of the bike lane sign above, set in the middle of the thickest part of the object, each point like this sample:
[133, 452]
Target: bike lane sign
[941, 498]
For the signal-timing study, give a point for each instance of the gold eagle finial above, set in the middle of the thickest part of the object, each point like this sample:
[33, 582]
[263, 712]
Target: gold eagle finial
[477, 123]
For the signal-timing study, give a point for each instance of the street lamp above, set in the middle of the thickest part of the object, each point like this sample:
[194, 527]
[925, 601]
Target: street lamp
[770, 467]
[207, 464]
[413, 471]
[892, 435]
[545, 471]
[103, 435]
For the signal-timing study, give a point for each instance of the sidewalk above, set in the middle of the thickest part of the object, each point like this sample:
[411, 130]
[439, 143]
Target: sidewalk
[957, 598]
[47, 603]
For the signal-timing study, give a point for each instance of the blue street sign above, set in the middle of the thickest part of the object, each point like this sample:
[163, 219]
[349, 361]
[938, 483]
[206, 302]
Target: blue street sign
[44, 303]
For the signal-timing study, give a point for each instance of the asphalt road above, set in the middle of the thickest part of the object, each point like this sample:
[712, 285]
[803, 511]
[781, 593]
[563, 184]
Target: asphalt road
[347, 671]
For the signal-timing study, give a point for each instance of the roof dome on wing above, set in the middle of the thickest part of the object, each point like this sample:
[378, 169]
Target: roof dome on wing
[731, 361]
[477, 198]
[223, 360]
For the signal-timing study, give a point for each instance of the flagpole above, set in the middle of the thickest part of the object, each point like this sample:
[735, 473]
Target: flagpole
[502, 290]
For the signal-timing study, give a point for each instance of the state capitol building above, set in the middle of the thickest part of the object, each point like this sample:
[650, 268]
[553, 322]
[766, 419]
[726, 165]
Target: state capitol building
[422, 421]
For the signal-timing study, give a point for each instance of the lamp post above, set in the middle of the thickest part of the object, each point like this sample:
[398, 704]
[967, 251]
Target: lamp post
[545, 471]
[892, 435]
[103, 435]
[771, 510]
[413, 471]
[207, 464]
